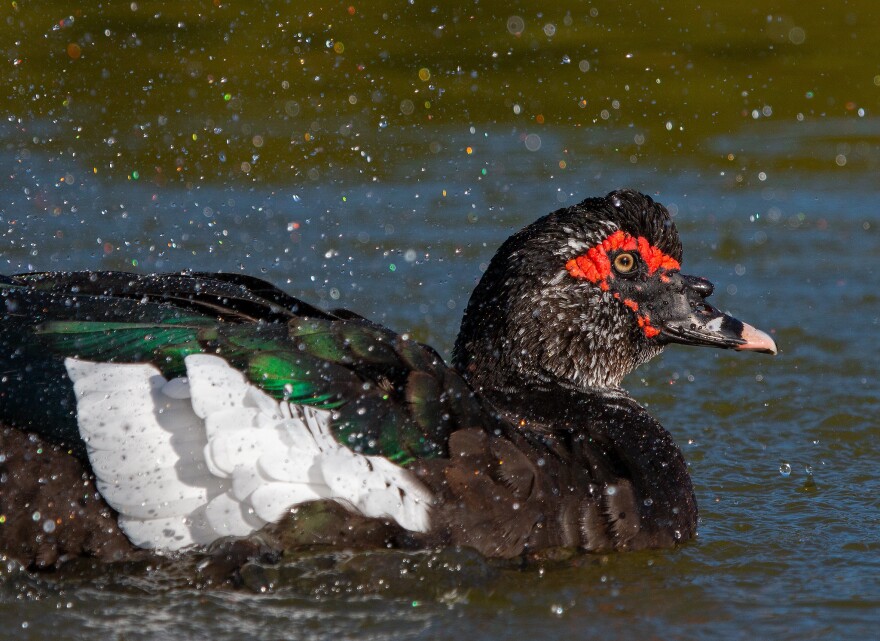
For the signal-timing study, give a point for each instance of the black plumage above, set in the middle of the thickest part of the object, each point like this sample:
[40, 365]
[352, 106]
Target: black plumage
[527, 443]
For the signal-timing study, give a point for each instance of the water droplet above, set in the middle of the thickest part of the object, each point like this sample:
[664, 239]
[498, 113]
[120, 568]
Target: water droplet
[533, 142]
[557, 609]
[785, 469]
[48, 526]
[515, 25]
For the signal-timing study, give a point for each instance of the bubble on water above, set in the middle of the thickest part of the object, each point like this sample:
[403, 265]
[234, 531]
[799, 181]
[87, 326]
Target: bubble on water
[785, 469]
[557, 609]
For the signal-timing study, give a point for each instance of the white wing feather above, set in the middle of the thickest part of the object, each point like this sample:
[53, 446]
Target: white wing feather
[194, 459]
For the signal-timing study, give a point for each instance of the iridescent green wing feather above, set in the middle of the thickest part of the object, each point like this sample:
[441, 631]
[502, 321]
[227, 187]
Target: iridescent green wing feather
[165, 344]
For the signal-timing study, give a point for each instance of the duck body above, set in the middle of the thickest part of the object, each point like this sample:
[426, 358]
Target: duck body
[216, 405]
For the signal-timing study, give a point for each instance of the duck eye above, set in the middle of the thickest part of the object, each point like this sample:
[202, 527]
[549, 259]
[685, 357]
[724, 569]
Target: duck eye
[624, 263]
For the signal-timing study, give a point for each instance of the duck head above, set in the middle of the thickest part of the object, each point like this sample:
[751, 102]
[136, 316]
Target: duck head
[584, 295]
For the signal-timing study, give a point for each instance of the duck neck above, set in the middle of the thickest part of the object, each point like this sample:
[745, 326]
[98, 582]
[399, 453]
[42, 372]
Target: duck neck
[508, 346]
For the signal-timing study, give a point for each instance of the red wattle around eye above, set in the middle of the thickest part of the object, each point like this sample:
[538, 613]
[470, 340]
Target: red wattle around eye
[595, 265]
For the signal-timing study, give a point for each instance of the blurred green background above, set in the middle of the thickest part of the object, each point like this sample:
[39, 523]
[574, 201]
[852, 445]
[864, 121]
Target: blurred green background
[279, 92]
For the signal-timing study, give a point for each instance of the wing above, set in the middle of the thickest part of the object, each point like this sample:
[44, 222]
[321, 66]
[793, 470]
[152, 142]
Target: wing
[388, 395]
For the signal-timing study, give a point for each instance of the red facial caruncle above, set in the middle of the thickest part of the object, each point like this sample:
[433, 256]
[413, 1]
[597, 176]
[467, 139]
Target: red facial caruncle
[595, 266]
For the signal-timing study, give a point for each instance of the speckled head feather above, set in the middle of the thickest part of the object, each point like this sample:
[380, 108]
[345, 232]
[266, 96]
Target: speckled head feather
[532, 322]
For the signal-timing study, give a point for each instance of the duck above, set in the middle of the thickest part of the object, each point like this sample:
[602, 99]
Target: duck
[167, 412]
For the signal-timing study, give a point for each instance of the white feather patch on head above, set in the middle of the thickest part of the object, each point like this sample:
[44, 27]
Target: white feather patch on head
[188, 461]
[578, 245]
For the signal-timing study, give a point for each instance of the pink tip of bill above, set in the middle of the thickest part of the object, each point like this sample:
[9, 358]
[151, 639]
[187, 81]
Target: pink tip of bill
[756, 341]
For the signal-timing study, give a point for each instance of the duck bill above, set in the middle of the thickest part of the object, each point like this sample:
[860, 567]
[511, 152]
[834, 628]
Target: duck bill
[688, 319]
[709, 327]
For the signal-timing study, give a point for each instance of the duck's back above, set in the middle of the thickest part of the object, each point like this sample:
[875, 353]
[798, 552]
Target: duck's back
[390, 395]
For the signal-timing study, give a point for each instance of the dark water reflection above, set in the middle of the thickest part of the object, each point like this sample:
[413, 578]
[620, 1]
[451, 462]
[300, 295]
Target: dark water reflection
[756, 124]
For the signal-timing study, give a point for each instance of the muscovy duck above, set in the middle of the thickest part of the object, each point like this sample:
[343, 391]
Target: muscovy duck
[216, 405]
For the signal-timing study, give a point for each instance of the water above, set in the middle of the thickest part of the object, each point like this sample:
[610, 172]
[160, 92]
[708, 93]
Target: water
[757, 127]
